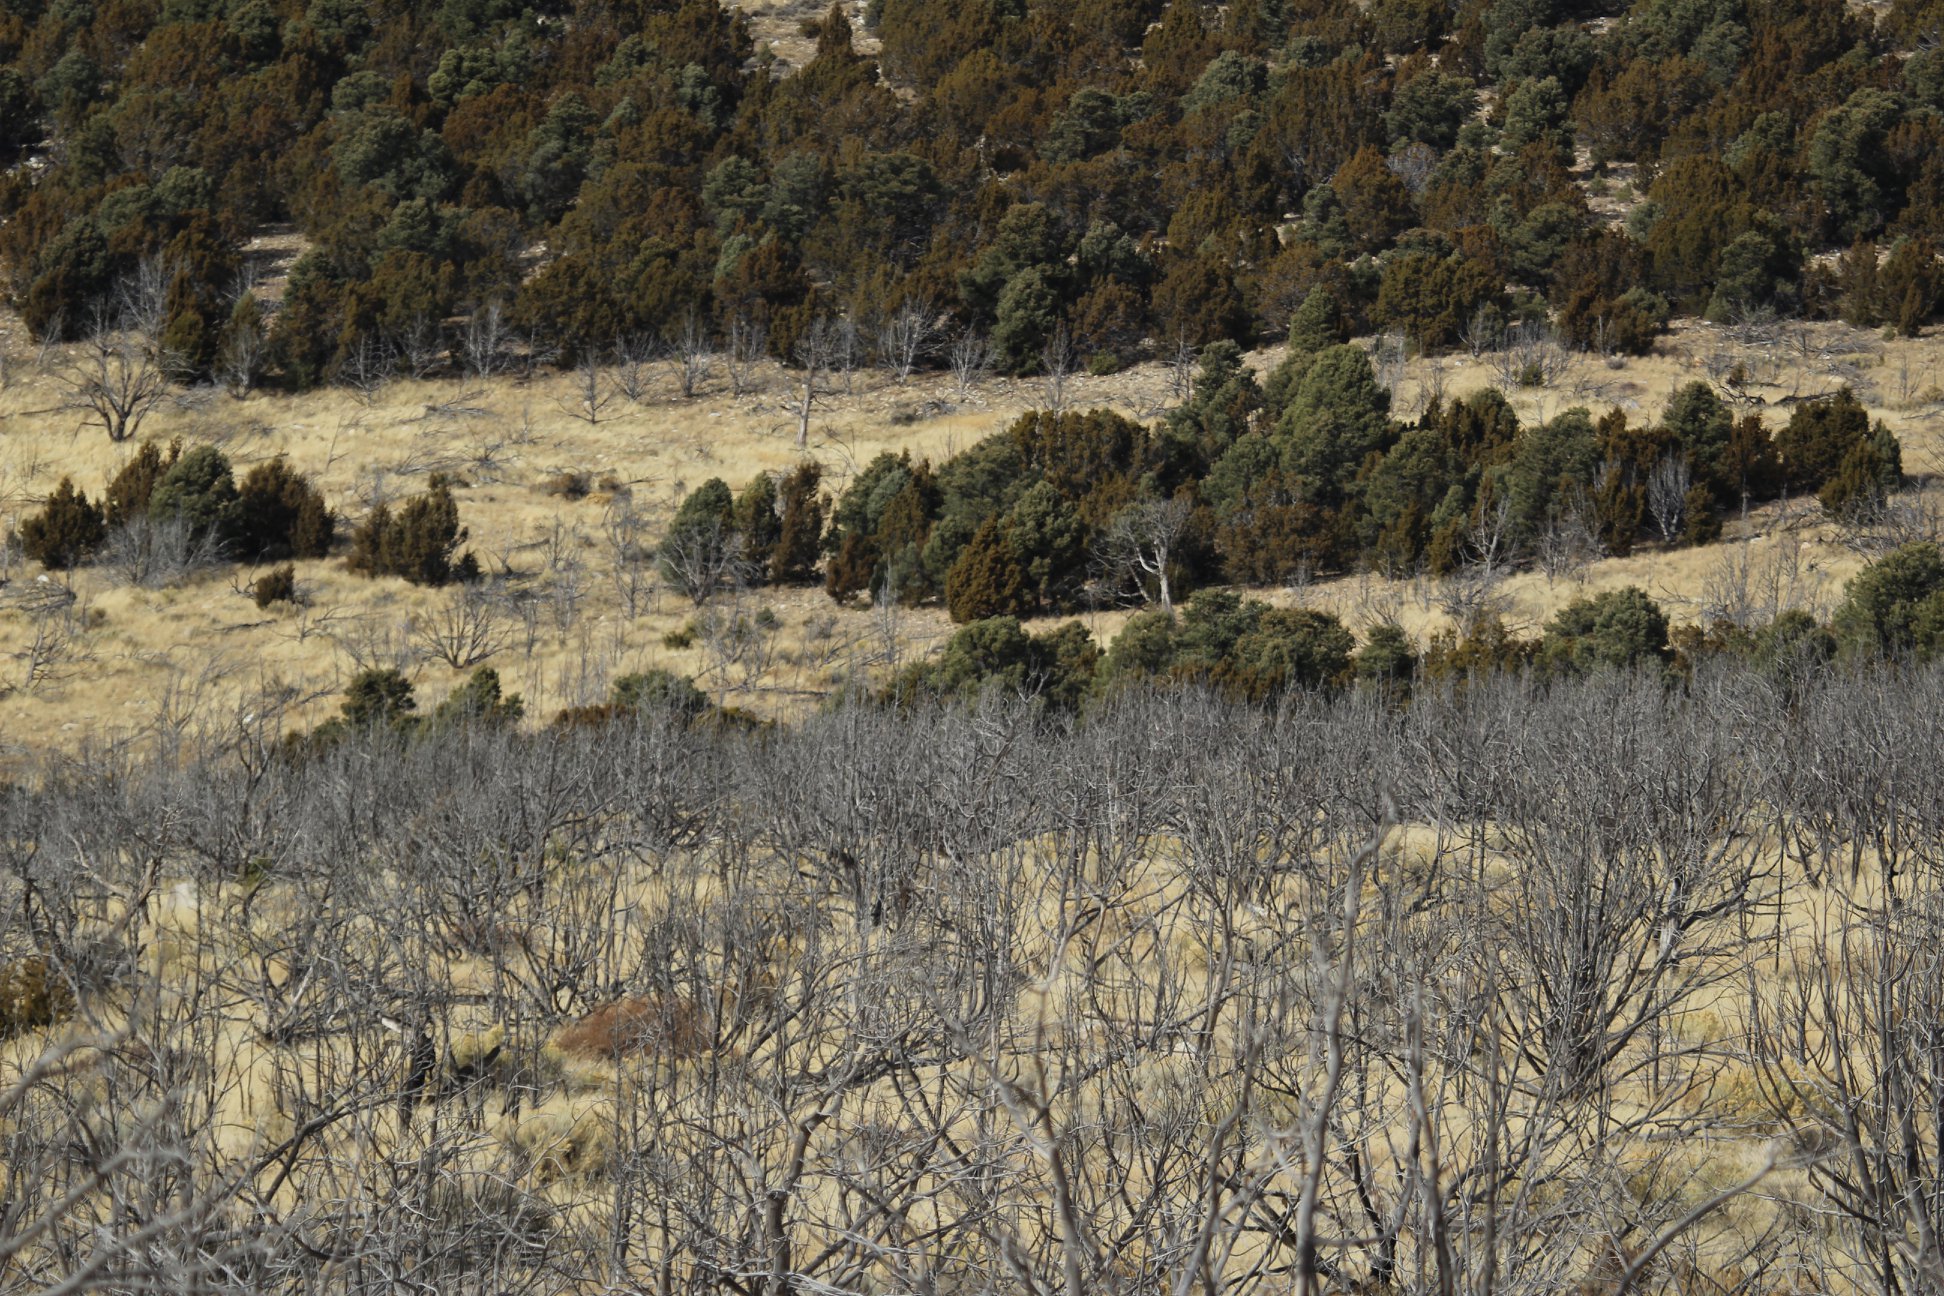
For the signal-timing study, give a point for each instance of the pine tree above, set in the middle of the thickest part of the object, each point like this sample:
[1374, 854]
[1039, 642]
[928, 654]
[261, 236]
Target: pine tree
[987, 580]
[799, 536]
[758, 524]
[65, 531]
[129, 491]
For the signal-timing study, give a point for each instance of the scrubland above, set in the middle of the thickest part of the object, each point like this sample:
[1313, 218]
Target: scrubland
[1599, 986]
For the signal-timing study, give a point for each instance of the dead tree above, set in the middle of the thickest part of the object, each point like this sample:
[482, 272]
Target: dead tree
[1141, 543]
[117, 376]
[1057, 363]
[1667, 494]
[820, 344]
[908, 336]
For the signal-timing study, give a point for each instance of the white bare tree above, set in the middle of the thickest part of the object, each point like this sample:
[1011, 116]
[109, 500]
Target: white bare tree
[748, 341]
[485, 341]
[971, 358]
[1141, 543]
[816, 349]
[591, 392]
[1667, 491]
[632, 357]
[689, 353]
[1057, 364]
[908, 335]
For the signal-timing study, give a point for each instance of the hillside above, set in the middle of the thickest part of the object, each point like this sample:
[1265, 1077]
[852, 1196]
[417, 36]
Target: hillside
[542, 491]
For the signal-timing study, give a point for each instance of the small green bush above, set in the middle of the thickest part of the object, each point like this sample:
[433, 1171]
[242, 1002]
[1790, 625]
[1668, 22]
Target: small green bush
[278, 585]
[66, 530]
[417, 543]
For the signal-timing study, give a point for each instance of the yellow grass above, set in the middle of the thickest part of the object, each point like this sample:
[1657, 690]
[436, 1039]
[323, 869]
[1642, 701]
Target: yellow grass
[147, 661]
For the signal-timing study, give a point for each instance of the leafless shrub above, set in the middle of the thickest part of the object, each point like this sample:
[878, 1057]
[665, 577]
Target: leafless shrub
[748, 343]
[626, 538]
[1667, 490]
[118, 374]
[467, 628]
[1181, 360]
[1057, 363]
[1389, 354]
[689, 354]
[703, 560]
[909, 335]
[484, 343]
[1570, 541]
[816, 350]
[375, 641]
[591, 392]
[241, 359]
[1530, 355]
[565, 576]
[421, 346]
[1749, 586]
[1483, 333]
[369, 368]
[159, 553]
[1473, 591]
[56, 641]
[633, 368]
[1875, 526]
[971, 358]
[739, 643]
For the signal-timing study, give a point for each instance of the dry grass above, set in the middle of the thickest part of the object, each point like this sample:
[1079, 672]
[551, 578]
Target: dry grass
[537, 483]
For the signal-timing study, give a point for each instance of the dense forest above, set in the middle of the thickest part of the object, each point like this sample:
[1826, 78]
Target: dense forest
[1106, 179]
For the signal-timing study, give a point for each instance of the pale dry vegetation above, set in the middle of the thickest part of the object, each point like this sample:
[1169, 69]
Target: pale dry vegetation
[1599, 988]
[565, 498]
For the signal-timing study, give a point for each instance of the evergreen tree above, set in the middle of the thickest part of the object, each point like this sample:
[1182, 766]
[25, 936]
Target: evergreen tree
[66, 530]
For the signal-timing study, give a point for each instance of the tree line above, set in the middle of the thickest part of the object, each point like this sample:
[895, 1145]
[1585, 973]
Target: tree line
[1265, 481]
[1101, 181]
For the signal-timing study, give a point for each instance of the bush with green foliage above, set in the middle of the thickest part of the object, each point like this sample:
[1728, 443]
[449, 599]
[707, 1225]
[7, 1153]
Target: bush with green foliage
[703, 548]
[1621, 629]
[655, 693]
[198, 491]
[1819, 435]
[1244, 648]
[278, 585]
[800, 525]
[996, 654]
[1870, 471]
[279, 513]
[418, 542]
[131, 488]
[479, 701]
[1894, 607]
[67, 529]
[33, 995]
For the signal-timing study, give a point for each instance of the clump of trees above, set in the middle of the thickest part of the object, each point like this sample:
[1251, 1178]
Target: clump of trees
[1086, 185]
[187, 503]
[419, 541]
[1254, 482]
[380, 700]
[1245, 650]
